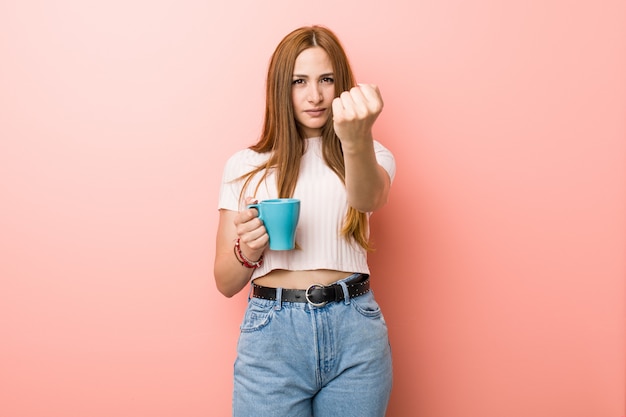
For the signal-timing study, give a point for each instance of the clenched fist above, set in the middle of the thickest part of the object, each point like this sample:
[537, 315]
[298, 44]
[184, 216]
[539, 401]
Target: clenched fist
[354, 113]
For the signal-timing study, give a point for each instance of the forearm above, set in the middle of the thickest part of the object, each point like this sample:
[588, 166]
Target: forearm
[230, 275]
[354, 113]
[367, 183]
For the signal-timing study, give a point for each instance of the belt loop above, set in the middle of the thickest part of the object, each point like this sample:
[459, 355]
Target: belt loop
[346, 294]
[279, 299]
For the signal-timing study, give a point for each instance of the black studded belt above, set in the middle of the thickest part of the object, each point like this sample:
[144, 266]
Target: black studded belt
[317, 294]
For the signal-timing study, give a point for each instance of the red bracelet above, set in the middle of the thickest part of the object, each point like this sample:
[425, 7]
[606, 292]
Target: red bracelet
[242, 258]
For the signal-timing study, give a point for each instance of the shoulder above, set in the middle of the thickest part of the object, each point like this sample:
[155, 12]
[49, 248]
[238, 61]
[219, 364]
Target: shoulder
[243, 161]
[385, 158]
[379, 147]
[247, 155]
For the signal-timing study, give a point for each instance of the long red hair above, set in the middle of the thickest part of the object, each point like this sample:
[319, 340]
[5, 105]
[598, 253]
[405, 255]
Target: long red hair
[281, 135]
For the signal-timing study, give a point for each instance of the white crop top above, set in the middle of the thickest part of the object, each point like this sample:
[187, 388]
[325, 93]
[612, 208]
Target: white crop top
[322, 210]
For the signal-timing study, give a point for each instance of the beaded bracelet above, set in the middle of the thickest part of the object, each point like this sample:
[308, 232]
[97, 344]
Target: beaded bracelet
[242, 258]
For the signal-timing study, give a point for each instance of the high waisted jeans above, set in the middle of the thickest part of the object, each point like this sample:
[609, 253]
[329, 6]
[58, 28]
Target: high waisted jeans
[297, 360]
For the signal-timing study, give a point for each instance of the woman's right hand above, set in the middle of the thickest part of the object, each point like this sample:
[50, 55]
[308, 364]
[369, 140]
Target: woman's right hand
[253, 237]
[230, 274]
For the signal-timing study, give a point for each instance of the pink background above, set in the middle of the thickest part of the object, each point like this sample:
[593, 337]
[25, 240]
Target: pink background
[500, 262]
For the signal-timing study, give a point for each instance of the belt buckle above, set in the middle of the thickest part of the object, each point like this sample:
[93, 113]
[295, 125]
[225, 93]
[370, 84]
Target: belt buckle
[306, 295]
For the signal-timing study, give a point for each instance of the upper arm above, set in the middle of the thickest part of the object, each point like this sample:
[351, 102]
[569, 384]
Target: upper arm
[226, 232]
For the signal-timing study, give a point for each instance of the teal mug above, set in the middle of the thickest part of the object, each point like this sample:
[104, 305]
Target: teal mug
[280, 217]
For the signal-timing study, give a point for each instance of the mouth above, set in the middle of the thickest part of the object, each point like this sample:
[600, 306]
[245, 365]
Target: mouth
[315, 112]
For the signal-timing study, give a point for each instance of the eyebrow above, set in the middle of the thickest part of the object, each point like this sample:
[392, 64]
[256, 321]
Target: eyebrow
[330, 74]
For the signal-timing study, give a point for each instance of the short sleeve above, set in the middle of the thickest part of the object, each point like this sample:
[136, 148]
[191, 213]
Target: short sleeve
[231, 187]
[385, 158]
[237, 166]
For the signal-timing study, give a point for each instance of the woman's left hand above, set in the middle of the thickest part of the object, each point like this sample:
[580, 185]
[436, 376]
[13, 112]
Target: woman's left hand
[354, 113]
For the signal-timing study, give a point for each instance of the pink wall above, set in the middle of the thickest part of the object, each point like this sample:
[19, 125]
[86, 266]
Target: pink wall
[500, 262]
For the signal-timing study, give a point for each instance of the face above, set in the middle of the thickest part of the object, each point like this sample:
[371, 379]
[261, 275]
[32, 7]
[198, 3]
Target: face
[312, 90]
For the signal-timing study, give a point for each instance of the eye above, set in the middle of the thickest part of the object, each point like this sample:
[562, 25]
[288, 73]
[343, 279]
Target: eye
[327, 80]
[297, 81]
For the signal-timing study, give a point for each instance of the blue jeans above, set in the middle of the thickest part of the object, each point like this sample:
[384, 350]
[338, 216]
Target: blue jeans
[297, 360]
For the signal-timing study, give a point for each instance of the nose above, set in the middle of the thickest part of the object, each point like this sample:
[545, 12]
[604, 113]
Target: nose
[315, 93]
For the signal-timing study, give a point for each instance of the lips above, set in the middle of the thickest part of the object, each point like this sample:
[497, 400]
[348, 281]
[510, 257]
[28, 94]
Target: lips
[315, 112]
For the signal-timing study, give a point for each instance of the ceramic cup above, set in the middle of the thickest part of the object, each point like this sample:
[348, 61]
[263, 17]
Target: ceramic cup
[280, 217]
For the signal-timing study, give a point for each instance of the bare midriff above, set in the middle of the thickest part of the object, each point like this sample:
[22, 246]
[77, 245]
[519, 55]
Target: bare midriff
[300, 280]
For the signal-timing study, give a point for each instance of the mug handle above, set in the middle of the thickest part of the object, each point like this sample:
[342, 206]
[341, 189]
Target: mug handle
[258, 209]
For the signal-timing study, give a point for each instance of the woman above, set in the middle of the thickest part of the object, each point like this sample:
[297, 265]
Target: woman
[313, 340]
